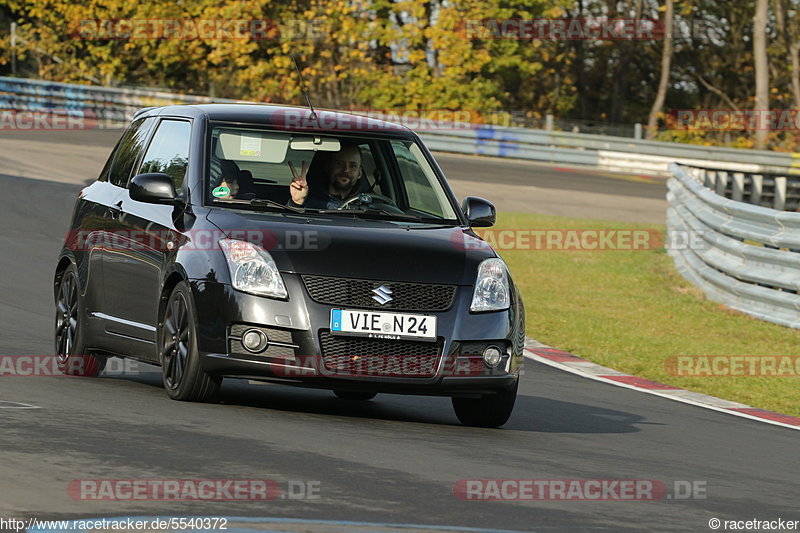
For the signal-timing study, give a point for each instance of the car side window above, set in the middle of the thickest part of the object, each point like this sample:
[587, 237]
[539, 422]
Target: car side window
[417, 182]
[110, 161]
[129, 148]
[168, 152]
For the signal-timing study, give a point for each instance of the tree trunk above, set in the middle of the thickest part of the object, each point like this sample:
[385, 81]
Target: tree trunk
[762, 73]
[620, 85]
[666, 60]
[794, 52]
[788, 32]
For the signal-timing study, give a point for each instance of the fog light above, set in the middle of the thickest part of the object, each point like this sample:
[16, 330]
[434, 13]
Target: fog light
[254, 340]
[492, 356]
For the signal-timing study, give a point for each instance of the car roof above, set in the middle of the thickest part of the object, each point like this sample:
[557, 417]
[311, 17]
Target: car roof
[291, 118]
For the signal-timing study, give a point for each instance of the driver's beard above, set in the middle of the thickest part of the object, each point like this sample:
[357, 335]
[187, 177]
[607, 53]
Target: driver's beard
[342, 188]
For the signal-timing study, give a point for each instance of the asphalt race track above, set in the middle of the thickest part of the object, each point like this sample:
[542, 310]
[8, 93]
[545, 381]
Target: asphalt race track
[393, 460]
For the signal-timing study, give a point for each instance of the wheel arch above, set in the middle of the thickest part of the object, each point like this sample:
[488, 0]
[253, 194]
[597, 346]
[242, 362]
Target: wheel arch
[172, 279]
[61, 267]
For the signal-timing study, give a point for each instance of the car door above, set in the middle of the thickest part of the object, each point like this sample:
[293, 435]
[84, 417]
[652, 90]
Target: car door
[134, 273]
[88, 236]
[115, 242]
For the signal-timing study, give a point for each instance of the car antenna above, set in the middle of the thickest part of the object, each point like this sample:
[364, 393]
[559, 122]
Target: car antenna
[313, 115]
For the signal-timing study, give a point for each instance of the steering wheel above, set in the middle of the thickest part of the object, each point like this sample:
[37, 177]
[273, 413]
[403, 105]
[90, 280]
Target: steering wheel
[366, 199]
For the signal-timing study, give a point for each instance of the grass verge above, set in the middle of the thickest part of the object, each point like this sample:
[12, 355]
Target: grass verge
[632, 311]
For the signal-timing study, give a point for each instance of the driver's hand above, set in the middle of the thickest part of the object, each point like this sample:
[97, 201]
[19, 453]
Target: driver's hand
[299, 186]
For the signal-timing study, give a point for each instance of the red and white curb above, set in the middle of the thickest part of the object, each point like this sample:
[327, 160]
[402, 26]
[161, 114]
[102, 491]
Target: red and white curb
[572, 363]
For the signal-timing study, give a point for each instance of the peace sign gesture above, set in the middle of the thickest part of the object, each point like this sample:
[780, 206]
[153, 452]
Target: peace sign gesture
[299, 186]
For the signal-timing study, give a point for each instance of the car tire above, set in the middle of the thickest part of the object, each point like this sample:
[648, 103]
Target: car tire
[355, 395]
[183, 378]
[70, 338]
[488, 411]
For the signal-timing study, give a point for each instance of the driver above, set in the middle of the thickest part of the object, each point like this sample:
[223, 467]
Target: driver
[343, 170]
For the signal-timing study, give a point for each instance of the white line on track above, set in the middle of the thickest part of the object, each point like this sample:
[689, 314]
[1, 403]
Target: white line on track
[17, 405]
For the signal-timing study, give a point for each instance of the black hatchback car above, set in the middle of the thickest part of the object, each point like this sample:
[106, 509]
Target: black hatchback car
[271, 243]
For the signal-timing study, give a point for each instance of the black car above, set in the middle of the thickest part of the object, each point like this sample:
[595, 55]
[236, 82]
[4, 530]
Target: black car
[269, 243]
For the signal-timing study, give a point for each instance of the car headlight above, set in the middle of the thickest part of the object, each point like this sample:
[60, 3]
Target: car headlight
[252, 269]
[491, 287]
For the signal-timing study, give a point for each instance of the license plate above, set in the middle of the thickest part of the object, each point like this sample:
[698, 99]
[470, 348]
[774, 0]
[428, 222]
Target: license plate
[376, 325]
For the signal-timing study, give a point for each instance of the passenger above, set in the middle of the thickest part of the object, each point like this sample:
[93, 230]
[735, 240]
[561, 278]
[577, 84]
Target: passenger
[231, 183]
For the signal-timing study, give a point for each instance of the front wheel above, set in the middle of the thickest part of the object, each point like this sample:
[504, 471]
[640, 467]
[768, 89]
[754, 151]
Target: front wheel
[70, 337]
[489, 411]
[183, 378]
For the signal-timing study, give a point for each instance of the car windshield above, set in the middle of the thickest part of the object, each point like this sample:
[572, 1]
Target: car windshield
[317, 173]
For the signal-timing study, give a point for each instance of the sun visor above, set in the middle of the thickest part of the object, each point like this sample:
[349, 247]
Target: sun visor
[246, 145]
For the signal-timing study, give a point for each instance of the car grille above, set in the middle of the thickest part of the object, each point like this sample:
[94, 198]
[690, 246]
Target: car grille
[358, 293]
[358, 356]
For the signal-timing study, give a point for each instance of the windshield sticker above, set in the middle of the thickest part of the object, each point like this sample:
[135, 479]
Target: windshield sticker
[220, 191]
[250, 145]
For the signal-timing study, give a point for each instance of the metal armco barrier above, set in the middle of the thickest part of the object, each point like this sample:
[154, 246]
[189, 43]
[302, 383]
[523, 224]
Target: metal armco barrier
[103, 103]
[744, 256]
[616, 154]
[767, 189]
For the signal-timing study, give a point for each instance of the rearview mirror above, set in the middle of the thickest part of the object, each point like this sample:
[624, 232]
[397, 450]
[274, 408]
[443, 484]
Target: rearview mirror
[480, 212]
[153, 188]
[316, 144]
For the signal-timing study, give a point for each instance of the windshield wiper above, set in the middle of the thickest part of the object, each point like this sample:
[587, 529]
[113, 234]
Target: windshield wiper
[271, 203]
[373, 212]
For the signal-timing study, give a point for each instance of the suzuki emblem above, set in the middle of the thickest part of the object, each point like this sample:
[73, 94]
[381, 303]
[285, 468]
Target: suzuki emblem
[382, 295]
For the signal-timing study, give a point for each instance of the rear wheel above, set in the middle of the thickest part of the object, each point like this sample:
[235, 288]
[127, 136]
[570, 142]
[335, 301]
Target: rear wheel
[355, 395]
[183, 378]
[69, 328]
[489, 411]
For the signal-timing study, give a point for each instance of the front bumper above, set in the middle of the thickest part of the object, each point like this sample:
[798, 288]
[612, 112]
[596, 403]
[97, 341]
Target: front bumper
[300, 323]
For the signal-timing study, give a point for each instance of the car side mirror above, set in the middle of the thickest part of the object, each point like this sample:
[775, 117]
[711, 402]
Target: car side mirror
[153, 188]
[480, 212]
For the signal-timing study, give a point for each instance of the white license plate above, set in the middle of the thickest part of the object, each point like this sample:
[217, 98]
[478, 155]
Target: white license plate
[376, 325]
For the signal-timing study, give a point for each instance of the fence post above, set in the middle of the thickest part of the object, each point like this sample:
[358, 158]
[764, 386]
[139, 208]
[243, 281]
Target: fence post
[738, 186]
[722, 182]
[756, 188]
[780, 193]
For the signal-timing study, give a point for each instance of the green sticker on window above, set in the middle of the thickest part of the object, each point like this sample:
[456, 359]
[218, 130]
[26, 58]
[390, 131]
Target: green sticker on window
[220, 191]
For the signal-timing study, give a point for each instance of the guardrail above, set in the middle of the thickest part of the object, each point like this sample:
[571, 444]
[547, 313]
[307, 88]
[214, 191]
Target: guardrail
[103, 103]
[744, 256]
[616, 154]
